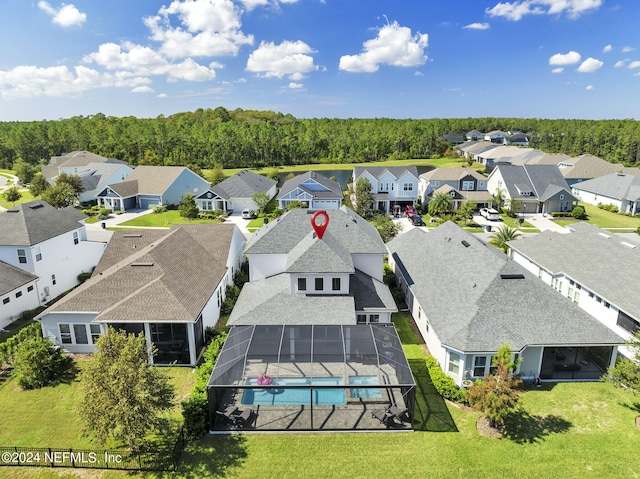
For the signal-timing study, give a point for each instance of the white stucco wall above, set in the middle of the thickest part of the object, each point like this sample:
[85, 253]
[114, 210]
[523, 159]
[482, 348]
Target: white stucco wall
[265, 265]
[16, 305]
[370, 264]
[51, 329]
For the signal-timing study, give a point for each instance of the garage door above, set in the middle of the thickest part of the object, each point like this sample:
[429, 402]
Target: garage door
[239, 204]
[326, 205]
[149, 201]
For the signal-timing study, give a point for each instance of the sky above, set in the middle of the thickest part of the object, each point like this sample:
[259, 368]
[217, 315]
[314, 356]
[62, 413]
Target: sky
[321, 58]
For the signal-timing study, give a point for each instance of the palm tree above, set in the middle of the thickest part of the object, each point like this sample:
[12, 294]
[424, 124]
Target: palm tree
[440, 203]
[499, 197]
[502, 236]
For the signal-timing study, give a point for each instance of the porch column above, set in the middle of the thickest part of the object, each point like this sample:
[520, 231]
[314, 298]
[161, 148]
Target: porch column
[614, 355]
[147, 337]
[191, 336]
[121, 204]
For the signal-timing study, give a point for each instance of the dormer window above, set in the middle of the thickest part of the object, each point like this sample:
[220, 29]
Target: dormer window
[319, 284]
[302, 284]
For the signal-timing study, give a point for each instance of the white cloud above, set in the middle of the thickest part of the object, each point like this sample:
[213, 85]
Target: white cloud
[394, 45]
[557, 70]
[633, 65]
[288, 58]
[418, 74]
[516, 10]
[207, 28]
[590, 65]
[142, 89]
[565, 58]
[621, 63]
[162, 95]
[627, 49]
[295, 86]
[65, 16]
[607, 49]
[590, 87]
[477, 26]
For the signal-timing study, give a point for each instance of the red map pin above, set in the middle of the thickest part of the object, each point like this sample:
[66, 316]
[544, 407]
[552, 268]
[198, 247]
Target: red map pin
[320, 228]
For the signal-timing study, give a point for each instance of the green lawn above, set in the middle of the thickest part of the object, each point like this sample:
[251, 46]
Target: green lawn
[162, 220]
[26, 197]
[605, 219]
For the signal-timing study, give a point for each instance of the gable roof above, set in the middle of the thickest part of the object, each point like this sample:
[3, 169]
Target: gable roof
[312, 255]
[536, 178]
[451, 174]
[504, 151]
[615, 185]
[590, 166]
[593, 257]
[96, 174]
[31, 223]
[11, 278]
[378, 171]
[243, 184]
[330, 188]
[150, 180]
[351, 232]
[476, 299]
[168, 276]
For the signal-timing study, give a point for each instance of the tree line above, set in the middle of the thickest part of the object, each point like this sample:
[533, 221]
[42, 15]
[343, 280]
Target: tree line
[247, 138]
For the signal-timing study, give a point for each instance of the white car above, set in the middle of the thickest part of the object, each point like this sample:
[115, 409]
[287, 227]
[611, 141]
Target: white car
[490, 214]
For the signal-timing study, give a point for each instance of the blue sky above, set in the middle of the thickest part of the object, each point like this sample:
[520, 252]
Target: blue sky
[321, 58]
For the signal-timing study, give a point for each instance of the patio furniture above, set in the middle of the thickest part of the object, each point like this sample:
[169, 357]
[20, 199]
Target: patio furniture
[395, 412]
[241, 417]
[381, 415]
[228, 413]
[389, 415]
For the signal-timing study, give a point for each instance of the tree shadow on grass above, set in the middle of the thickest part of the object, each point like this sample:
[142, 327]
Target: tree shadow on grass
[213, 456]
[431, 412]
[524, 428]
[634, 406]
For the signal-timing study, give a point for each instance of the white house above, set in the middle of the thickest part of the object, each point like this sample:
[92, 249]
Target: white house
[17, 293]
[468, 299]
[313, 190]
[616, 189]
[469, 185]
[236, 192]
[390, 186]
[97, 176]
[597, 270]
[48, 243]
[167, 284]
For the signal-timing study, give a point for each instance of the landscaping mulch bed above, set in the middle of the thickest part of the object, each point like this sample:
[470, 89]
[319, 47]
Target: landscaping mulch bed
[486, 429]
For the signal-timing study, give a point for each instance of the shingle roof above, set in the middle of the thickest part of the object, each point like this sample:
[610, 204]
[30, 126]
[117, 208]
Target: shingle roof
[152, 180]
[370, 294]
[592, 257]
[472, 307]
[590, 166]
[615, 185]
[36, 221]
[350, 230]
[451, 174]
[243, 185]
[333, 188]
[168, 279]
[378, 171]
[12, 278]
[125, 189]
[537, 178]
[312, 255]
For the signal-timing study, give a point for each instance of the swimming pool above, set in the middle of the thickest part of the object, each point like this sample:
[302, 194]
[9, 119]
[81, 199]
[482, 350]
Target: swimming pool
[279, 394]
[365, 393]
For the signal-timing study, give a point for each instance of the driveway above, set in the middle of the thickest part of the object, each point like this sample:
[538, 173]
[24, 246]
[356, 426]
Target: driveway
[96, 232]
[241, 223]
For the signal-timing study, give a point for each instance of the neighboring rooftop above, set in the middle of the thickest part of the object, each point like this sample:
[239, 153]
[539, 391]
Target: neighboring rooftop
[378, 171]
[153, 180]
[451, 174]
[615, 185]
[12, 278]
[243, 184]
[327, 188]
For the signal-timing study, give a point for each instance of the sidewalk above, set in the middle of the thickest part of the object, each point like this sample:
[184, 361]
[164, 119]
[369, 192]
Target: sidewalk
[543, 223]
[95, 231]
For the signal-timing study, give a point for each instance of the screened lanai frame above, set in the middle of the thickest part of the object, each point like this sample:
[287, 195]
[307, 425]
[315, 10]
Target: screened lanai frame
[317, 359]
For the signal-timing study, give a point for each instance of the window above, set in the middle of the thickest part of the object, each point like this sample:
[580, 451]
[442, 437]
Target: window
[302, 284]
[454, 363]
[407, 186]
[419, 312]
[598, 299]
[29, 288]
[576, 297]
[65, 333]
[570, 294]
[362, 318]
[481, 184]
[95, 332]
[53, 279]
[539, 272]
[6, 300]
[335, 284]
[435, 184]
[499, 183]
[591, 295]
[38, 253]
[319, 284]
[467, 185]
[627, 322]
[374, 318]
[479, 366]
[22, 256]
[18, 294]
[76, 238]
[80, 331]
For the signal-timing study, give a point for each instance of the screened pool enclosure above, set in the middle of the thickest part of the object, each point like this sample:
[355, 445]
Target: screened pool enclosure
[306, 378]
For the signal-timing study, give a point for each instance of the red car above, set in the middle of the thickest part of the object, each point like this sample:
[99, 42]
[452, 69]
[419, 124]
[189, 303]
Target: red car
[409, 211]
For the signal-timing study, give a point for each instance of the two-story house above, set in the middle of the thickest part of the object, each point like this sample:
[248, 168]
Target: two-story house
[390, 186]
[465, 184]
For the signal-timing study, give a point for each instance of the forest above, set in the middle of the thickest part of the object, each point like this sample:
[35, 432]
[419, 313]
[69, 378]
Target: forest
[243, 138]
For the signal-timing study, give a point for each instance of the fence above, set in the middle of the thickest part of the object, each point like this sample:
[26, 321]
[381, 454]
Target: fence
[161, 460]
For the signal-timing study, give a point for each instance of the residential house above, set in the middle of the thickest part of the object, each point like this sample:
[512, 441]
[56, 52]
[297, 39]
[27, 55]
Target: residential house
[588, 167]
[236, 192]
[74, 162]
[390, 186]
[167, 284]
[616, 189]
[474, 135]
[50, 245]
[540, 188]
[150, 186]
[597, 270]
[17, 293]
[97, 176]
[517, 138]
[465, 184]
[468, 299]
[495, 136]
[313, 190]
[501, 154]
[454, 138]
[471, 149]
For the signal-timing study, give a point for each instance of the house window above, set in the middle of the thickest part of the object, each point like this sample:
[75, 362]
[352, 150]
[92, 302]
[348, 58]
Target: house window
[319, 284]
[335, 284]
[362, 319]
[38, 253]
[76, 239]
[454, 363]
[539, 272]
[591, 295]
[302, 284]
[435, 184]
[6, 300]
[18, 294]
[65, 333]
[407, 186]
[481, 184]
[22, 256]
[499, 183]
[95, 332]
[374, 318]
[419, 312]
[467, 185]
[576, 297]
[53, 279]
[562, 197]
[570, 294]
[29, 288]
[479, 366]
[80, 332]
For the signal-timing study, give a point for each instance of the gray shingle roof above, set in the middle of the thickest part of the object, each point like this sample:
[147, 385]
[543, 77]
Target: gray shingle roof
[350, 230]
[592, 257]
[451, 174]
[125, 189]
[12, 278]
[269, 301]
[152, 180]
[378, 171]
[370, 294]
[536, 178]
[473, 309]
[243, 185]
[170, 277]
[333, 188]
[590, 166]
[616, 185]
[312, 255]
[36, 221]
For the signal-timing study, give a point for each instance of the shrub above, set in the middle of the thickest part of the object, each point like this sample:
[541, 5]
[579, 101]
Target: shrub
[230, 299]
[82, 277]
[610, 208]
[104, 212]
[119, 212]
[445, 385]
[39, 363]
[159, 209]
[578, 212]
[103, 217]
[9, 348]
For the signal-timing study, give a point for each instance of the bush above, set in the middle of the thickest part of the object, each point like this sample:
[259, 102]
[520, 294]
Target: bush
[578, 212]
[82, 277]
[103, 217]
[104, 212]
[230, 299]
[159, 209]
[39, 363]
[445, 385]
[610, 208]
[9, 348]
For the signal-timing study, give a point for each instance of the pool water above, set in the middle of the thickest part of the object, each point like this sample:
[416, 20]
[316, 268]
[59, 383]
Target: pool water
[279, 394]
[365, 393]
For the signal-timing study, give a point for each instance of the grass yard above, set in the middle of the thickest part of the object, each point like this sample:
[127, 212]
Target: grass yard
[162, 220]
[26, 197]
[605, 219]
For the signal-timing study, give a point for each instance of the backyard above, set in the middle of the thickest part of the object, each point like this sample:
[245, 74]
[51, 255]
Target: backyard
[604, 219]
[568, 430]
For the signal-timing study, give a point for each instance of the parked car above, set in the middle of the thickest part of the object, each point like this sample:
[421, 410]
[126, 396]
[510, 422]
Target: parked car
[416, 220]
[248, 214]
[490, 214]
[410, 211]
